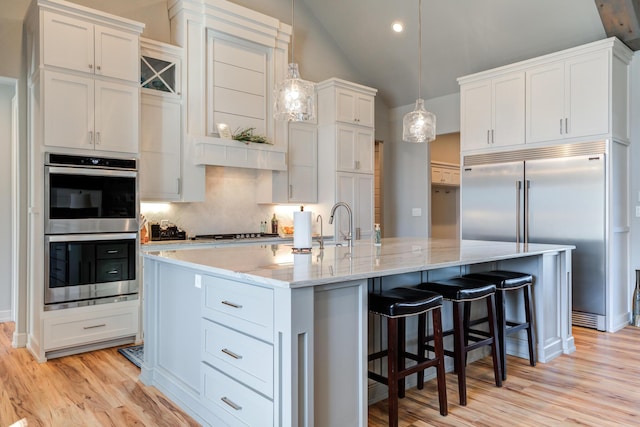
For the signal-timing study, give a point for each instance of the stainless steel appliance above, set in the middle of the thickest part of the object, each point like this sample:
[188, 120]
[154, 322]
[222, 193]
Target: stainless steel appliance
[85, 194]
[91, 230]
[545, 195]
[86, 269]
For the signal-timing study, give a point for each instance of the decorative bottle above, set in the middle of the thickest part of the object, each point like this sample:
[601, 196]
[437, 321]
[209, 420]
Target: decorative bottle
[274, 224]
[636, 301]
[377, 235]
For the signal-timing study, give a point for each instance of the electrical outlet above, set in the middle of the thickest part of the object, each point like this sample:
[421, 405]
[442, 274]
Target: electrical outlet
[637, 211]
[198, 281]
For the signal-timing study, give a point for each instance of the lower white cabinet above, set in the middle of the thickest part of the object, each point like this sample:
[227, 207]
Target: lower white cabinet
[356, 189]
[160, 148]
[87, 325]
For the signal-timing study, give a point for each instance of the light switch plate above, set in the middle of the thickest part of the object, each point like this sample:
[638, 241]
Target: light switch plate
[637, 211]
[198, 281]
[416, 212]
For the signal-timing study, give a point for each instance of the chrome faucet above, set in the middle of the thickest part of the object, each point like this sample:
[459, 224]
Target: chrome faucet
[321, 239]
[350, 236]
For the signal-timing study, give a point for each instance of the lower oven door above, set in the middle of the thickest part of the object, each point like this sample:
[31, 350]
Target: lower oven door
[87, 269]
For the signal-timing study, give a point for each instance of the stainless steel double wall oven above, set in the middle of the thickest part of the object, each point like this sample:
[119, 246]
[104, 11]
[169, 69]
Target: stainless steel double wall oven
[91, 230]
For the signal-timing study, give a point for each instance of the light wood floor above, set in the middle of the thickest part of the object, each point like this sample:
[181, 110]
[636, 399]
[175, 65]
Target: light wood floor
[598, 385]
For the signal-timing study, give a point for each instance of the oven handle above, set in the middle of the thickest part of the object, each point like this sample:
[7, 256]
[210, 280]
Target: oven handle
[92, 172]
[89, 237]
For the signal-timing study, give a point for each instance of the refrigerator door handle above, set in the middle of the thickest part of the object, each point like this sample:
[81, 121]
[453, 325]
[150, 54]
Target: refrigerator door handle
[518, 188]
[526, 211]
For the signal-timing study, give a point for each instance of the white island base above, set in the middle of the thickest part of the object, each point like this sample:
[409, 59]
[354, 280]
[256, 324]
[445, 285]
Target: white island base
[256, 335]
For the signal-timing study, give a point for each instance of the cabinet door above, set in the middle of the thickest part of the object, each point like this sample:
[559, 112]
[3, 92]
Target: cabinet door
[345, 148]
[508, 101]
[68, 110]
[545, 102]
[357, 191]
[116, 117]
[365, 108]
[364, 147]
[303, 163]
[475, 115]
[587, 95]
[116, 54]
[67, 42]
[345, 106]
[160, 148]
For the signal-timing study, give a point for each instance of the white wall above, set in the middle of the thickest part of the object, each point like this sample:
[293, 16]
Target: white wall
[407, 167]
[7, 92]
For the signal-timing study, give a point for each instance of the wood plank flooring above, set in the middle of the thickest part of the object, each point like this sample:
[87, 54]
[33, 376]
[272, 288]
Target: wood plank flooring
[598, 385]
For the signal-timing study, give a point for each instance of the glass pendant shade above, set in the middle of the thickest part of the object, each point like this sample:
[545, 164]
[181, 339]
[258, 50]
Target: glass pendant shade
[295, 99]
[419, 125]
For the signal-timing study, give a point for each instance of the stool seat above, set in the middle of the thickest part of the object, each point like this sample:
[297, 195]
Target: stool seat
[503, 279]
[459, 288]
[400, 302]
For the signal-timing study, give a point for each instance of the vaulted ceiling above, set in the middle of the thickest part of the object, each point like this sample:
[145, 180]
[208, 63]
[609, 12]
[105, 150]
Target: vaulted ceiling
[460, 37]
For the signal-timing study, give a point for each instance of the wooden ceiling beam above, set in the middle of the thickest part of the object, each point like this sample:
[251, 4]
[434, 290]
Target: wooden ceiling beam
[621, 18]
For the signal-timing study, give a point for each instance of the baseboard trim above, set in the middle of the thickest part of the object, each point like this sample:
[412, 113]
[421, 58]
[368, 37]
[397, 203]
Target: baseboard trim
[6, 316]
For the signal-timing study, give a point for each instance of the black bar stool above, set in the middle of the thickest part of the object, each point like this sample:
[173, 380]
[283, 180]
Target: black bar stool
[461, 292]
[396, 305]
[507, 281]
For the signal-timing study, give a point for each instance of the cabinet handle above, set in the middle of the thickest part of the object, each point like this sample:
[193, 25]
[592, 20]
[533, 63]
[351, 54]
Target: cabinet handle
[178, 182]
[231, 403]
[231, 353]
[91, 137]
[560, 126]
[98, 68]
[91, 66]
[492, 139]
[488, 131]
[98, 139]
[113, 251]
[95, 326]
[290, 190]
[357, 164]
[230, 304]
[566, 125]
[113, 272]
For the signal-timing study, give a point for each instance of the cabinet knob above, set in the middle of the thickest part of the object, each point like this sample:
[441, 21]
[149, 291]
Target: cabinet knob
[91, 66]
[98, 68]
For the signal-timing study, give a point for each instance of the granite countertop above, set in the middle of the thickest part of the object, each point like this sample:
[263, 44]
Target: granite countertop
[275, 264]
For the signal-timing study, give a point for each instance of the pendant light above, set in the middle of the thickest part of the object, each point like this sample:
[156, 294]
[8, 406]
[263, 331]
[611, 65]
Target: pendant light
[419, 125]
[295, 99]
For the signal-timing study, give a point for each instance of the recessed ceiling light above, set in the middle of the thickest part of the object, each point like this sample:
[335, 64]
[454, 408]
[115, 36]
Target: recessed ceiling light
[397, 27]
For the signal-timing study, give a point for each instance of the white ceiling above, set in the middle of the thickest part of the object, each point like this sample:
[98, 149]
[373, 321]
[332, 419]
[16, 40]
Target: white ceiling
[460, 37]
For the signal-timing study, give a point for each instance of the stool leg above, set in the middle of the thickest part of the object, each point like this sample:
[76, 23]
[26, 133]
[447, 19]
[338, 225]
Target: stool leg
[466, 326]
[501, 319]
[438, 344]
[531, 335]
[422, 333]
[491, 303]
[392, 370]
[459, 350]
[401, 357]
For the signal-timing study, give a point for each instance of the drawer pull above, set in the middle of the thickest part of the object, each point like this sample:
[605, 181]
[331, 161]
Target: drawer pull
[230, 304]
[231, 353]
[231, 403]
[95, 326]
[113, 272]
[112, 251]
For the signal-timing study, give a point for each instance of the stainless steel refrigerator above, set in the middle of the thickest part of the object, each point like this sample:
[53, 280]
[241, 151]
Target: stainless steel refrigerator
[547, 195]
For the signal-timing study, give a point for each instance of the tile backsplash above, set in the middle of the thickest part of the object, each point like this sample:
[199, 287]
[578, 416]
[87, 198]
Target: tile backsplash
[229, 207]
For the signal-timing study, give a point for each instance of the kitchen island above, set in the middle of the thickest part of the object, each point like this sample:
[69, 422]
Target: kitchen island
[259, 335]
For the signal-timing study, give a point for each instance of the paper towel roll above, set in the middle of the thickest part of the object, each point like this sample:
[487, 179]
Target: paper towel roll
[302, 230]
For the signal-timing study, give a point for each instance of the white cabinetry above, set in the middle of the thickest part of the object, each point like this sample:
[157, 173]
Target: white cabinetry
[492, 112]
[568, 99]
[80, 112]
[160, 122]
[445, 174]
[354, 107]
[78, 44]
[346, 160]
[579, 94]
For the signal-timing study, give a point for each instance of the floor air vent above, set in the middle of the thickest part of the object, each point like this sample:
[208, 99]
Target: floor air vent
[588, 320]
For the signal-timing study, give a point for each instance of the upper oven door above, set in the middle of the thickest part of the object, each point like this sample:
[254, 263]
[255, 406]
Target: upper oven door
[88, 200]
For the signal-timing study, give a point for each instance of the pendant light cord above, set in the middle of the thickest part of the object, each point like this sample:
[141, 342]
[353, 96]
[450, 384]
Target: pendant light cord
[292, 18]
[420, 49]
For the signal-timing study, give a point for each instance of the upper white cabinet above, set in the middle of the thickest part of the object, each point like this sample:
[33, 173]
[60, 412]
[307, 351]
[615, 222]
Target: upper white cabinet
[493, 111]
[445, 174]
[160, 122]
[354, 149]
[575, 95]
[568, 99]
[354, 107]
[302, 170]
[80, 112]
[78, 44]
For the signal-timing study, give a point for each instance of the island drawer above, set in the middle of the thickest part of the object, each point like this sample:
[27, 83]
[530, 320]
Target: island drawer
[246, 308]
[235, 403]
[240, 356]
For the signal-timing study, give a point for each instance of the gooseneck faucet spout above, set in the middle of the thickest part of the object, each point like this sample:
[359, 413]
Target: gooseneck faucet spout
[349, 236]
[321, 239]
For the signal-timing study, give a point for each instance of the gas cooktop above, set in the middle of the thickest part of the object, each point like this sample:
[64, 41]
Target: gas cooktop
[236, 236]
